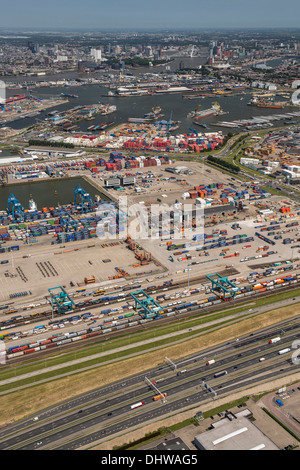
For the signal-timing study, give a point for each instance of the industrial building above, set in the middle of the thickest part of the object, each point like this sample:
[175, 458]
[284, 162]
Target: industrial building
[234, 432]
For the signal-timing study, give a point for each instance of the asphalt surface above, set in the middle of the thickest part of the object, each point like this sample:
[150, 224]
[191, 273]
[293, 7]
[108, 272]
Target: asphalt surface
[105, 412]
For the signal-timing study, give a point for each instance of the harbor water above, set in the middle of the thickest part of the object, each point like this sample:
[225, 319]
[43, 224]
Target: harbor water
[50, 193]
[173, 106]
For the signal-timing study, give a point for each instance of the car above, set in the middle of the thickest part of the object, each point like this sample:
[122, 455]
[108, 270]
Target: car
[80, 411]
[109, 414]
[35, 418]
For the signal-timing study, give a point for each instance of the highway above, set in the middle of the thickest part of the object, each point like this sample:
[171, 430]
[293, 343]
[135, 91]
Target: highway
[106, 411]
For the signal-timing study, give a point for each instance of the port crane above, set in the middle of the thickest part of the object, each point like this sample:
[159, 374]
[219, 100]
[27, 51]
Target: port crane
[86, 200]
[221, 285]
[149, 306]
[15, 209]
[167, 123]
[60, 300]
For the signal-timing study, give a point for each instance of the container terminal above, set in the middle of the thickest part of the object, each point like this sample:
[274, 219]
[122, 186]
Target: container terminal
[249, 236]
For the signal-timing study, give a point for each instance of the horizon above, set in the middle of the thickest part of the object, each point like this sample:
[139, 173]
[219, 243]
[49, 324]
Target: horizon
[157, 15]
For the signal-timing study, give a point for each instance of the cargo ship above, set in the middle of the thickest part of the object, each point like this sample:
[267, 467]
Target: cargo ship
[213, 111]
[263, 103]
[154, 114]
[271, 105]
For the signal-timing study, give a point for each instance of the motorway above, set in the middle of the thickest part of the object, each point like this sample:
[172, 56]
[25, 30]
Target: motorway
[104, 412]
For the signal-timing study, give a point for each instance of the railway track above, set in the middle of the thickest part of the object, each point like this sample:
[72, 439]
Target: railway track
[112, 333]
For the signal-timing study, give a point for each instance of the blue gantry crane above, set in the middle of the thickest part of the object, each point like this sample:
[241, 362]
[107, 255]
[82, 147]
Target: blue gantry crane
[86, 200]
[15, 209]
[143, 301]
[60, 300]
[222, 285]
[167, 123]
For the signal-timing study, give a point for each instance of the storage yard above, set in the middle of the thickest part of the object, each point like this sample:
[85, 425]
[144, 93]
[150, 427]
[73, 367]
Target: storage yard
[277, 155]
[249, 238]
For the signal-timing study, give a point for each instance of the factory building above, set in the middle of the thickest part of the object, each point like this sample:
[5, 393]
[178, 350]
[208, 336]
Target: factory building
[234, 432]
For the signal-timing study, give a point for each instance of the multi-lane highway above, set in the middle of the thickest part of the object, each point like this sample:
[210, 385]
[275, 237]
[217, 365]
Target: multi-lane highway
[104, 412]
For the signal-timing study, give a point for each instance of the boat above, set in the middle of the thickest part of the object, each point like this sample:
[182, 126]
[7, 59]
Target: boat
[154, 114]
[200, 124]
[68, 95]
[213, 111]
[265, 105]
[109, 109]
[32, 205]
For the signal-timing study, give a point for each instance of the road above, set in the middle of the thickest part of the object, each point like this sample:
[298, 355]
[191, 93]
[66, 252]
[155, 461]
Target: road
[106, 411]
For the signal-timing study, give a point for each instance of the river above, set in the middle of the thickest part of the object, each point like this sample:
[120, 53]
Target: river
[173, 106]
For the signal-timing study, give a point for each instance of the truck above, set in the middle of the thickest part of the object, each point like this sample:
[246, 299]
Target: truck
[210, 362]
[158, 397]
[137, 405]
[284, 351]
[279, 402]
[219, 374]
[274, 340]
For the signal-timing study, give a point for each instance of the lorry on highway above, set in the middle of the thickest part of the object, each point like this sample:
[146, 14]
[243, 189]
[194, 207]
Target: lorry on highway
[210, 362]
[284, 351]
[219, 374]
[158, 397]
[274, 340]
[137, 405]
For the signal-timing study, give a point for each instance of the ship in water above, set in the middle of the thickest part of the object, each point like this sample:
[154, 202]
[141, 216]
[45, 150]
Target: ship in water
[200, 124]
[215, 110]
[32, 205]
[68, 95]
[261, 102]
[154, 114]
[108, 109]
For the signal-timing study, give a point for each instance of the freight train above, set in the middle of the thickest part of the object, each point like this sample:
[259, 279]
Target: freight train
[118, 321]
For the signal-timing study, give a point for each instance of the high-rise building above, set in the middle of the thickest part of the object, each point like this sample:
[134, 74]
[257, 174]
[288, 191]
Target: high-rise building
[80, 67]
[96, 54]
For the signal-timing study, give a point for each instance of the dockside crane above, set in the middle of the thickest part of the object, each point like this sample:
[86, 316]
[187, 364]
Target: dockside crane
[86, 200]
[15, 209]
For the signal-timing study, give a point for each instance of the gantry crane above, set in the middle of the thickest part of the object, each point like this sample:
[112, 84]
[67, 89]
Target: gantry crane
[86, 200]
[15, 209]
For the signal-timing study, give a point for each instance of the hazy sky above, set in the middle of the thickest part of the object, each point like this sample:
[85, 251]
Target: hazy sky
[138, 14]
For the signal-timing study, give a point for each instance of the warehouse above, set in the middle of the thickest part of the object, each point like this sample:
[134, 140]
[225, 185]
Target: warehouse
[234, 433]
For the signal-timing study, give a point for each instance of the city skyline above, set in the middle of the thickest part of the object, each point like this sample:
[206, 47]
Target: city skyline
[155, 15]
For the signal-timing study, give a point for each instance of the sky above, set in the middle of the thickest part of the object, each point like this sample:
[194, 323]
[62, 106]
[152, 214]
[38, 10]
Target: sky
[149, 14]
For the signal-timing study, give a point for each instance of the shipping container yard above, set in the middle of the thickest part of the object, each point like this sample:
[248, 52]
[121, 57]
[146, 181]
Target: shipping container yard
[149, 240]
